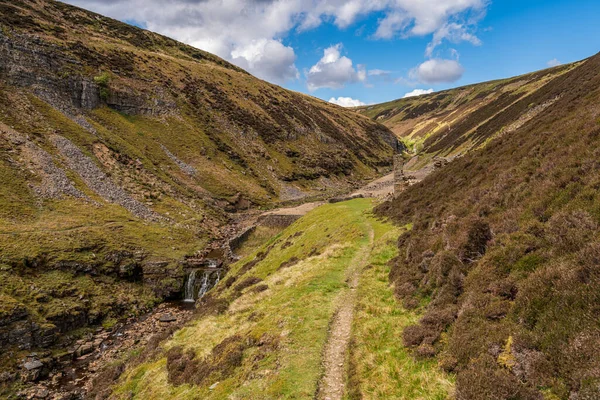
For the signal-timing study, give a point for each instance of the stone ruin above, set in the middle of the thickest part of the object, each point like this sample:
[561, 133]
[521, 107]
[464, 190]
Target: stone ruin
[400, 182]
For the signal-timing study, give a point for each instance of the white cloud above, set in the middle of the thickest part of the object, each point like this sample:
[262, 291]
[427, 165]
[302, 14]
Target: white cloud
[393, 22]
[453, 32]
[249, 32]
[554, 63]
[419, 18]
[437, 70]
[379, 72]
[346, 102]
[269, 59]
[334, 70]
[417, 92]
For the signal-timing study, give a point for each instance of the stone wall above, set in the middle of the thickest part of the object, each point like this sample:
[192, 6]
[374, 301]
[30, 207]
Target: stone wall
[236, 242]
[277, 220]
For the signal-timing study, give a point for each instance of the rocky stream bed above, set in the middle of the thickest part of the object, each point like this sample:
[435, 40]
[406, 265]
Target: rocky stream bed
[73, 377]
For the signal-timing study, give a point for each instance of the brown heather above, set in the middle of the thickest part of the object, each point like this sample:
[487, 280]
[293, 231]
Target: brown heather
[504, 253]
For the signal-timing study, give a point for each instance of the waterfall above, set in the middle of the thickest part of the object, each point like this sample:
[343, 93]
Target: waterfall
[188, 293]
[196, 288]
[205, 284]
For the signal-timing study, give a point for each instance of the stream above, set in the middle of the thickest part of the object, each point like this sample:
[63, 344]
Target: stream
[72, 379]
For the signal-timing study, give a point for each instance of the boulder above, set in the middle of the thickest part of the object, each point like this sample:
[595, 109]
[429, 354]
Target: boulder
[33, 371]
[34, 364]
[84, 349]
[167, 318]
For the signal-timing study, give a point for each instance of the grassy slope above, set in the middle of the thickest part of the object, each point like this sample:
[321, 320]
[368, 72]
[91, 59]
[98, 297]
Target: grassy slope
[380, 368]
[287, 323]
[504, 248]
[238, 132]
[456, 121]
[155, 95]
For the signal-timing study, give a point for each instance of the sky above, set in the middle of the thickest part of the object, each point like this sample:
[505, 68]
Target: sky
[356, 52]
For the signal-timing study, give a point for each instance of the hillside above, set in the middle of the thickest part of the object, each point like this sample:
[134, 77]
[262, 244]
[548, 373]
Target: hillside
[122, 152]
[503, 254]
[455, 121]
[263, 332]
[137, 172]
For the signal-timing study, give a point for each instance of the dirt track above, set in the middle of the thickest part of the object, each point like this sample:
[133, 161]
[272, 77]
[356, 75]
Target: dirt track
[333, 382]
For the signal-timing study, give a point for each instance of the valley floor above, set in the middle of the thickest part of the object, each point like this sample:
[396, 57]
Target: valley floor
[309, 314]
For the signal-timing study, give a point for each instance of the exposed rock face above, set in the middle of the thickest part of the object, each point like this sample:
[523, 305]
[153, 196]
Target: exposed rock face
[165, 278]
[26, 334]
[35, 63]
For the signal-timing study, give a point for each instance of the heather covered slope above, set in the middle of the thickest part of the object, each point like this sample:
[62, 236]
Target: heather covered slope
[122, 152]
[455, 121]
[504, 254]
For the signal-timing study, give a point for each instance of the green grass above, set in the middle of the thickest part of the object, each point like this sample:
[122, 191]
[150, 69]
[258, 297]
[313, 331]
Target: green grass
[294, 313]
[380, 366]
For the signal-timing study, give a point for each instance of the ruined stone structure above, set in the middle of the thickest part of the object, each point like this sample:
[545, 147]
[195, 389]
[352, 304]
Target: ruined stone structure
[400, 182]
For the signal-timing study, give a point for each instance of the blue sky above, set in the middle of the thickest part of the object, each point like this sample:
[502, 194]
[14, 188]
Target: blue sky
[372, 51]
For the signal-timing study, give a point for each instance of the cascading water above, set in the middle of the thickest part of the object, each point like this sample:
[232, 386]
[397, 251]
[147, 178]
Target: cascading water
[188, 293]
[205, 284]
[211, 274]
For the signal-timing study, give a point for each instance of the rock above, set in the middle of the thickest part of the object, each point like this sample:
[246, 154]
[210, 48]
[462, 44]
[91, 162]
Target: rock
[213, 386]
[33, 371]
[84, 349]
[41, 393]
[167, 318]
[439, 162]
[7, 377]
[31, 365]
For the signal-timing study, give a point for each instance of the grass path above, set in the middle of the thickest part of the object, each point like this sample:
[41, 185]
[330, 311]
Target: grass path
[321, 322]
[379, 367]
[333, 383]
